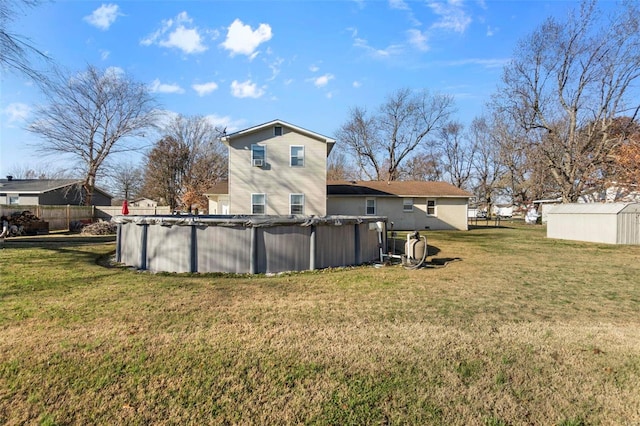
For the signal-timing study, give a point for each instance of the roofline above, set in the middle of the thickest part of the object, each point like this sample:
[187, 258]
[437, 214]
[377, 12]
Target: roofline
[226, 139]
[400, 195]
[31, 192]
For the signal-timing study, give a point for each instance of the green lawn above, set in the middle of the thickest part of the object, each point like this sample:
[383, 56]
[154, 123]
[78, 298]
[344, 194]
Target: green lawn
[523, 330]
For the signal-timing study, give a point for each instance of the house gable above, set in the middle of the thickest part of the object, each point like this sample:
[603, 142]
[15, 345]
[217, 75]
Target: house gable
[293, 163]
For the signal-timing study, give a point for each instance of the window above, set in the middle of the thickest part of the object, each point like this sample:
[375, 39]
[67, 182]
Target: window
[296, 203]
[258, 203]
[371, 206]
[431, 207]
[258, 155]
[297, 156]
[14, 199]
[407, 205]
[277, 131]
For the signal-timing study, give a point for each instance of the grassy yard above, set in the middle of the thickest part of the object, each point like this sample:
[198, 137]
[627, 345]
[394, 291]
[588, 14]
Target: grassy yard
[523, 330]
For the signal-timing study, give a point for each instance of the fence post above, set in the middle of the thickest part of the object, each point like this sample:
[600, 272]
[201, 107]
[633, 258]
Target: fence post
[68, 217]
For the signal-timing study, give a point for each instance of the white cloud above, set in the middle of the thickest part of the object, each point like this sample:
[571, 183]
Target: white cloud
[356, 84]
[16, 112]
[452, 15]
[314, 68]
[486, 63]
[103, 16]
[157, 87]
[242, 40]
[322, 81]
[185, 39]
[275, 68]
[389, 51]
[104, 54]
[205, 88]
[398, 4]
[178, 33]
[418, 39]
[225, 122]
[246, 89]
[491, 31]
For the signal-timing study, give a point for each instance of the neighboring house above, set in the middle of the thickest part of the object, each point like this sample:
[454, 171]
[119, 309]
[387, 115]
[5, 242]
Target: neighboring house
[278, 168]
[409, 205]
[275, 168]
[143, 202]
[611, 223]
[42, 192]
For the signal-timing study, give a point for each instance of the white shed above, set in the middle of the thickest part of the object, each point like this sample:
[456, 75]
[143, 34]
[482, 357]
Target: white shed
[611, 223]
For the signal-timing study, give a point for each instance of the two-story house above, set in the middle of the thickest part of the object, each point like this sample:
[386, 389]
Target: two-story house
[277, 168]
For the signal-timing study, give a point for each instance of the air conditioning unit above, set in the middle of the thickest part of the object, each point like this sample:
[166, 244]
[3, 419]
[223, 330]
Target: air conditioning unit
[258, 162]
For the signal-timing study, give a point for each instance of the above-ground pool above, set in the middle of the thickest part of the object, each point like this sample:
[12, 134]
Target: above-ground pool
[247, 244]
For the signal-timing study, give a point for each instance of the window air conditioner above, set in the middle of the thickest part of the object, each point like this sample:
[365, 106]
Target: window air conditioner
[258, 162]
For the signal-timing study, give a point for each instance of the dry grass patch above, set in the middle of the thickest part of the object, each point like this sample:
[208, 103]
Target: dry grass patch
[523, 330]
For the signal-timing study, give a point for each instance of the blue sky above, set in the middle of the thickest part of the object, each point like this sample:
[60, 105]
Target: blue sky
[243, 63]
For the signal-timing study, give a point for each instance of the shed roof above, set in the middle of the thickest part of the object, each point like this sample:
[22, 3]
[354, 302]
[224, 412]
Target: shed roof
[395, 189]
[594, 208]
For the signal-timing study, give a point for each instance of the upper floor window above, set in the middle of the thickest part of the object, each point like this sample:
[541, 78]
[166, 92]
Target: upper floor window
[277, 131]
[258, 155]
[296, 203]
[297, 156]
[371, 206]
[258, 203]
[407, 204]
[431, 207]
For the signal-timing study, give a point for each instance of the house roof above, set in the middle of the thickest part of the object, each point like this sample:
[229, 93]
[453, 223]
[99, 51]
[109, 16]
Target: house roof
[395, 189]
[219, 188]
[594, 208]
[377, 188]
[38, 186]
[329, 141]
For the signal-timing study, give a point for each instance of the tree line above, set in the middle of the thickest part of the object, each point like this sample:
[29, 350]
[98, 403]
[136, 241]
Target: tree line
[563, 122]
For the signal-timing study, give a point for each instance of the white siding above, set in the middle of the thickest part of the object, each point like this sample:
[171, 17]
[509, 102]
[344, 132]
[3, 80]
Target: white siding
[451, 213]
[277, 179]
[611, 223]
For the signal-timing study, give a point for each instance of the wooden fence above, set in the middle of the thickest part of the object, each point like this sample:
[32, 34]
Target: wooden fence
[62, 218]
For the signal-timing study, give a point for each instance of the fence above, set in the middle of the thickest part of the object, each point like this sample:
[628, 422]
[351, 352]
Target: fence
[61, 218]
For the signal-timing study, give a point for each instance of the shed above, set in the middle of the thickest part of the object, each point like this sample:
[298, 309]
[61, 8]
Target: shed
[611, 223]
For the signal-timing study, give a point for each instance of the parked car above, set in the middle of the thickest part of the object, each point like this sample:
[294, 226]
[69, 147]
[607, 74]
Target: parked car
[481, 215]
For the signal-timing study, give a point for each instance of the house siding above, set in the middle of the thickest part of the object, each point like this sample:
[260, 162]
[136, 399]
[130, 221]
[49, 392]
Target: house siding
[277, 179]
[451, 213]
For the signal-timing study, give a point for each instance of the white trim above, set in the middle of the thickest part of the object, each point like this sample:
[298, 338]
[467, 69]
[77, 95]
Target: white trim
[264, 205]
[366, 207]
[291, 156]
[404, 206]
[291, 204]
[435, 207]
[264, 159]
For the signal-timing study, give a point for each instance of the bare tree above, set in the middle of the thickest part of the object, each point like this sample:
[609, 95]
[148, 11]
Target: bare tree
[487, 167]
[382, 142]
[125, 179]
[567, 83]
[40, 171]
[338, 167]
[457, 154]
[92, 115]
[16, 51]
[422, 167]
[186, 162]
